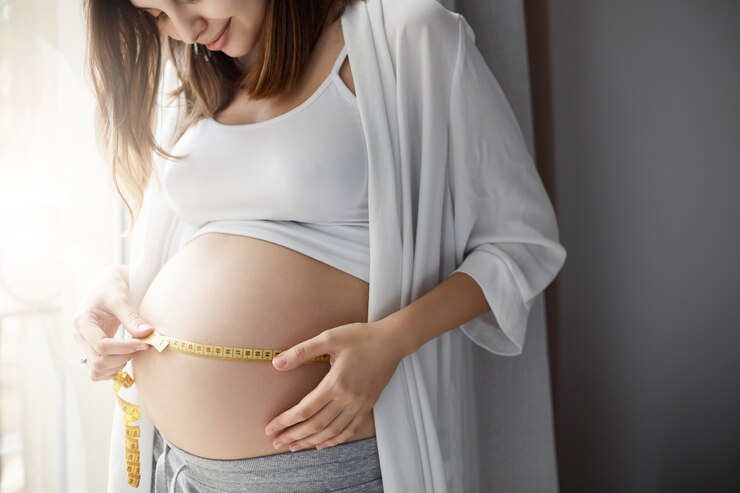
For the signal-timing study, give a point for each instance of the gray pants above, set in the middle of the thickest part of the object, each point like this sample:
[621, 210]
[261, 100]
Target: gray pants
[348, 467]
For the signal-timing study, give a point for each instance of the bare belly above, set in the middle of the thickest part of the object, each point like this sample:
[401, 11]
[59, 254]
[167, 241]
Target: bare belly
[234, 290]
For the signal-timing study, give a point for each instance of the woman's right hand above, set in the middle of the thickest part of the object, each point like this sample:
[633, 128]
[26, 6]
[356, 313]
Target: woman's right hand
[107, 305]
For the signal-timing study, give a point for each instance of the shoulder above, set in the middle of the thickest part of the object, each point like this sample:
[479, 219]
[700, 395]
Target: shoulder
[410, 19]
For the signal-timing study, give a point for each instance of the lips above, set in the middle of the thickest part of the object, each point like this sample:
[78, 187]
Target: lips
[218, 42]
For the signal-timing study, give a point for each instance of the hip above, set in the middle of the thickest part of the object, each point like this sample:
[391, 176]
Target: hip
[352, 466]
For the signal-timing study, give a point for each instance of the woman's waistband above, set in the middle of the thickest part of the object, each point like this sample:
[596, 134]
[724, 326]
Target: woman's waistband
[356, 459]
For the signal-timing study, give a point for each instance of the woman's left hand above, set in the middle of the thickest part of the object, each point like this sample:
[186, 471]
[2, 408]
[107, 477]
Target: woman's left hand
[363, 359]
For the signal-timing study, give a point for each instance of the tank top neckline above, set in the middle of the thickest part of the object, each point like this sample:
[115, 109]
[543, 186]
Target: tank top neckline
[333, 73]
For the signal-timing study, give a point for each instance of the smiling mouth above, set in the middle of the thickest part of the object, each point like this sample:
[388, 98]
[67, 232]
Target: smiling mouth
[217, 42]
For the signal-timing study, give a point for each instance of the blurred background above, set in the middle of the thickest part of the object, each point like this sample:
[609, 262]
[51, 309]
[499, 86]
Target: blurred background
[630, 379]
[59, 224]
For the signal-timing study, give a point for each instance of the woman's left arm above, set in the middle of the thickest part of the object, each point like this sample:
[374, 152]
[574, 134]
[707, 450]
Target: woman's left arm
[505, 242]
[364, 357]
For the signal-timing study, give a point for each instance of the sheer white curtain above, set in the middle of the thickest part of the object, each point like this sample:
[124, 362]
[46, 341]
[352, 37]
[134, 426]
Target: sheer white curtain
[59, 224]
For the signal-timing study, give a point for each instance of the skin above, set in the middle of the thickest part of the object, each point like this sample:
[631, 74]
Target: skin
[202, 21]
[235, 290]
[364, 356]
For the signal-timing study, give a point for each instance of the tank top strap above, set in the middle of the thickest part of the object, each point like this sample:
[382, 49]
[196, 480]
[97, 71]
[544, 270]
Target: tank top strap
[340, 59]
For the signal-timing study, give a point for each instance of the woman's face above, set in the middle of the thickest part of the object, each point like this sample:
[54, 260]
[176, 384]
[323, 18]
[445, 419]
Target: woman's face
[231, 26]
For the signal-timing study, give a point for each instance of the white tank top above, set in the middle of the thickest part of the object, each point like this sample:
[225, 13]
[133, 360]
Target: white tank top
[298, 180]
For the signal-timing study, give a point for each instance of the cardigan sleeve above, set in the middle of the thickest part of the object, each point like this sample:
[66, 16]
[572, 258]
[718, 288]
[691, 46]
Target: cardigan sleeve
[506, 234]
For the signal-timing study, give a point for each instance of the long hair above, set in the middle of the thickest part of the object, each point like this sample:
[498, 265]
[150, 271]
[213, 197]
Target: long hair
[125, 56]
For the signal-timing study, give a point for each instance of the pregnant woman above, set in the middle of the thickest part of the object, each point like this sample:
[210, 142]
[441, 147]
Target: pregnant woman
[306, 236]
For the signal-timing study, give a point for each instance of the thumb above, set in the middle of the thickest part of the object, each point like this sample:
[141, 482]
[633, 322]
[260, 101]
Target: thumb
[135, 325]
[129, 317]
[140, 328]
[300, 353]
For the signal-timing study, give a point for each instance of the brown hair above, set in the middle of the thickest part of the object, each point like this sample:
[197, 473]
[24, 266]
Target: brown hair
[125, 56]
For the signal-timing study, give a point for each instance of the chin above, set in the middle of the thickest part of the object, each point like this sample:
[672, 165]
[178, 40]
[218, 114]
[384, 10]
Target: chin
[236, 53]
[242, 46]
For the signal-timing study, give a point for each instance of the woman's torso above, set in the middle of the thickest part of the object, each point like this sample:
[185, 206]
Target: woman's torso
[235, 290]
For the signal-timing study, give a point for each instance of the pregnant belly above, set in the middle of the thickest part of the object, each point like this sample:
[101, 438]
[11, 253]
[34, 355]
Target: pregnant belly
[233, 290]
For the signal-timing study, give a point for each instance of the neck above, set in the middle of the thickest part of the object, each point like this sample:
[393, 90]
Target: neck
[246, 61]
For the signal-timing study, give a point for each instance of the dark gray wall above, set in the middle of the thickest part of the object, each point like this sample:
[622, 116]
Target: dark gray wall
[647, 126]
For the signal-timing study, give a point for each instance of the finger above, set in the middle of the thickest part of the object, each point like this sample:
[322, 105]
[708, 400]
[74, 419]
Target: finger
[313, 425]
[87, 349]
[86, 330]
[112, 371]
[303, 352]
[331, 430]
[312, 403]
[99, 363]
[120, 306]
[105, 364]
[103, 367]
[130, 318]
[113, 346]
[103, 345]
[105, 375]
[349, 431]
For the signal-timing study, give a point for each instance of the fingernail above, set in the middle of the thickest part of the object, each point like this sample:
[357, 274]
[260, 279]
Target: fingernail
[270, 431]
[295, 448]
[278, 445]
[143, 327]
[142, 347]
[280, 361]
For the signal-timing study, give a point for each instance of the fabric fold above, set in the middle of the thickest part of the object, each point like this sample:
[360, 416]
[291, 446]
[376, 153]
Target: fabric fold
[451, 186]
[506, 232]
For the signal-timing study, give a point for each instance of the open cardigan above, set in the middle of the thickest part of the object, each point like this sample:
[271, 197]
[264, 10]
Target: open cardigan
[452, 188]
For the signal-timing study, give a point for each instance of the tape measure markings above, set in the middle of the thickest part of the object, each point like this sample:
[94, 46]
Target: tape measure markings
[132, 412]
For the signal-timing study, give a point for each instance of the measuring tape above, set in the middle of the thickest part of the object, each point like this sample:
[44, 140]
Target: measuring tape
[132, 412]
[131, 433]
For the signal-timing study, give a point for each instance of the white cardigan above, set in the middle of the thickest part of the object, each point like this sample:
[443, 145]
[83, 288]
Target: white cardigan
[452, 187]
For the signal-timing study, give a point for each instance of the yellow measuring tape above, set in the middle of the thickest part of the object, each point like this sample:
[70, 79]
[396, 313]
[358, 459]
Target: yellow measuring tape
[132, 412]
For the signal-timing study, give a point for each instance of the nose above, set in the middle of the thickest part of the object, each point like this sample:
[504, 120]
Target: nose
[188, 25]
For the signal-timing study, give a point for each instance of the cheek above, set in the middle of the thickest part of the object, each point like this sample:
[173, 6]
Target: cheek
[242, 39]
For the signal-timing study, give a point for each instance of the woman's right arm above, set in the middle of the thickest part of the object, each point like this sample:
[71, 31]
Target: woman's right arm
[105, 306]
[108, 302]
